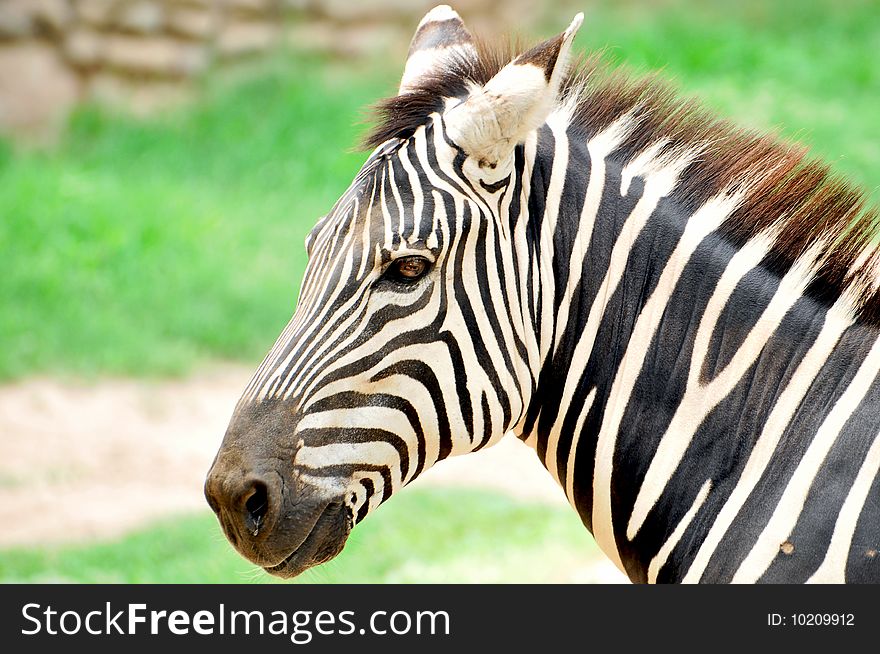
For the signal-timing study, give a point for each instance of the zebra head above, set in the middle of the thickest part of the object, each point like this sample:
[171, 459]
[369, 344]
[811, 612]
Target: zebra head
[410, 341]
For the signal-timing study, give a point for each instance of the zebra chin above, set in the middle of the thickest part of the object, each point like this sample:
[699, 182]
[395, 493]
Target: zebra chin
[324, 541]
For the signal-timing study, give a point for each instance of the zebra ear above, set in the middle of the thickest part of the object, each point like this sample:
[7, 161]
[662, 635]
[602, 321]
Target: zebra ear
[440, 37]
[490, 123]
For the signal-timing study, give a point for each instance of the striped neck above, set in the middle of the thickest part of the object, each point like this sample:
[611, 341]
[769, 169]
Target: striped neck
[652, 329]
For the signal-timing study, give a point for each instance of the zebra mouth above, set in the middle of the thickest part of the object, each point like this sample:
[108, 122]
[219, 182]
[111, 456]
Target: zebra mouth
[325, 540]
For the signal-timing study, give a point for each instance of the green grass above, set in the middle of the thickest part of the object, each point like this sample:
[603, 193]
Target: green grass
[147, 247]
[429, 536]
[805, 69]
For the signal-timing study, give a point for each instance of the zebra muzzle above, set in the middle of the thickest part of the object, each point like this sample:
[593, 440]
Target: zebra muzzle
[271, 518]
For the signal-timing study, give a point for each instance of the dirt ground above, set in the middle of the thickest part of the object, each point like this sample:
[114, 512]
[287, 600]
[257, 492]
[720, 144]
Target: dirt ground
[81, 462]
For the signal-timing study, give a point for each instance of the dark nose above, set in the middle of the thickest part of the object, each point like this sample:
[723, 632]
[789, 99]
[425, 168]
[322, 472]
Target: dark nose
[241, 499]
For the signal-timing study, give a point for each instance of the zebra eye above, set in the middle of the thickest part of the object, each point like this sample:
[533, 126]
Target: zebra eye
[409, 269]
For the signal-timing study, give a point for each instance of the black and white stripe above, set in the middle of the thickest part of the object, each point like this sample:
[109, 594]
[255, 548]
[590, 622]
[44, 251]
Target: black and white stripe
[710, 414]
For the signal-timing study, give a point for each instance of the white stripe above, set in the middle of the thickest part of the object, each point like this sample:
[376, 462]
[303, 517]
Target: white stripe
[572, 450]
[367, 261]
[383, 202]
[523, 255]
[312, 329]
[367, 417]
[340, 454]
[454, 321]
[320, 328]
[791, 504]
[782, 412]
[662, 555]
[833, 568]
[334, 359]
[547, 278]
[700, 399]
[398, 203]
[530, 150]
[378, 486]
[598, 148]
[657, 185]
[415, 184]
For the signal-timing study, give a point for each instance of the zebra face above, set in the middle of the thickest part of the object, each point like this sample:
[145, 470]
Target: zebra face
[383, 370]
[408, 345]
[366, 386]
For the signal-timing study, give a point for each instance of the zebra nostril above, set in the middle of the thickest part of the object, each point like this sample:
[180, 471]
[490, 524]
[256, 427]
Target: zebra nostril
[257, 504]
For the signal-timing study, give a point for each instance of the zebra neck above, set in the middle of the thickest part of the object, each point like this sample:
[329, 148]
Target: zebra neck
[598, 238]
[652, 333]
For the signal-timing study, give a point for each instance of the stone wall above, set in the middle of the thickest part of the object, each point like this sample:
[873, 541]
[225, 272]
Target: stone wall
[144, 54]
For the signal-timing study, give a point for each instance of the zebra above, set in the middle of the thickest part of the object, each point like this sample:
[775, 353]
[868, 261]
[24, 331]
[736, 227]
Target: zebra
[680, 316]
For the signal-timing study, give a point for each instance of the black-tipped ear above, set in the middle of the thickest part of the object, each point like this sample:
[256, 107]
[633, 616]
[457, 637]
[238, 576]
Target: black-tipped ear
[440, 36]
[544, 55]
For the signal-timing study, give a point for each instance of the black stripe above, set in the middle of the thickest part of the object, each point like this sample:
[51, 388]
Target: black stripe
[812, 533]
[863, 564]
[831, 382]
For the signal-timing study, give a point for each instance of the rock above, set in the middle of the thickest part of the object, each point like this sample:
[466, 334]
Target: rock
[36, 91]
[254, 7]
[83, 48]
[194, 23]
[237, 39]
[122, 44]
[97, 13]
[198, 4]
[374, 39]
[317, 36]
[155, 56]
[346, 11]
[141, 17]
[16, 21]
[51, 16]
[349, 42]
[139, 97]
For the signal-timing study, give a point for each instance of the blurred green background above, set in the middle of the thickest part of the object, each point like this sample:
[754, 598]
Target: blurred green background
[152, 246]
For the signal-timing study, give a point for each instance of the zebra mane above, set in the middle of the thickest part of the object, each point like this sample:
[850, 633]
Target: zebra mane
[798, 198]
